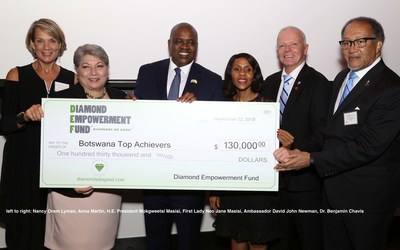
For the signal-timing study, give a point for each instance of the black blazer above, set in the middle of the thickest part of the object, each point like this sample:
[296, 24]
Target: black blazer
[152, 82]
[360, 162]
[305, 118]
[77, 91]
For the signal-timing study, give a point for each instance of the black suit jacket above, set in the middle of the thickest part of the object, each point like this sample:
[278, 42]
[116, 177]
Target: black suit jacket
[360, 162]
[152, 82]
[77, 91]
[305, 118]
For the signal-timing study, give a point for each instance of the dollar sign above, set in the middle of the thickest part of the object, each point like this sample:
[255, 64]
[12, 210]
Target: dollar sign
[216, 146]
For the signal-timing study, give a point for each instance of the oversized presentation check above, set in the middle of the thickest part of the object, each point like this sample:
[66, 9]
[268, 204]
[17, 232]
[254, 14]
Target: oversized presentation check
[141, 144]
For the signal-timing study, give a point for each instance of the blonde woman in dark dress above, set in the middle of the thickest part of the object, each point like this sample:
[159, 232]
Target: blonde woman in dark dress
[22, 202]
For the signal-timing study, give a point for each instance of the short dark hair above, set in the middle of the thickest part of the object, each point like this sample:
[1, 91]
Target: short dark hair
[181, 25]
[258, 79]
[375, 25]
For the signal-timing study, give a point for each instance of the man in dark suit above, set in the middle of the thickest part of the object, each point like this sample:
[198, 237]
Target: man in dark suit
[359, 159]
[196, 82]
[303, 115]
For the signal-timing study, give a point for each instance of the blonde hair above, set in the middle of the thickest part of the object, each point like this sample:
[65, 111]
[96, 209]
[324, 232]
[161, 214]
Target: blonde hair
[49, 27]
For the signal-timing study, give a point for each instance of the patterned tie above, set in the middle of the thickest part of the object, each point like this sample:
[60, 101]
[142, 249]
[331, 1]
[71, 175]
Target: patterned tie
[349, 86]
[174, 89]
[284, 94]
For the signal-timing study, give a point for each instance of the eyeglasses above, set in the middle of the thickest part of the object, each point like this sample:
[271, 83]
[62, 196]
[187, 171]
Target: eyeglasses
[359, 43]
[180, 42]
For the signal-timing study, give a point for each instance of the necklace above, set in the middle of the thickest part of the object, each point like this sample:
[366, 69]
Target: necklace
[97, 97]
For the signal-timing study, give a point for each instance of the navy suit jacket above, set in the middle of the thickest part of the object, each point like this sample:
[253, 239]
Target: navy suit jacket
[305, 118]
[152, 82]
[360, 162]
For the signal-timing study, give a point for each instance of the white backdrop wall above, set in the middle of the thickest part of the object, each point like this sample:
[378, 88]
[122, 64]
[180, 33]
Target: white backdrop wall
[135, 32]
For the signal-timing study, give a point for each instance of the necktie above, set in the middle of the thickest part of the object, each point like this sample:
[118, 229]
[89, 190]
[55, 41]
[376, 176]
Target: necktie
[284, 94]
[349, 86]
[174, 89]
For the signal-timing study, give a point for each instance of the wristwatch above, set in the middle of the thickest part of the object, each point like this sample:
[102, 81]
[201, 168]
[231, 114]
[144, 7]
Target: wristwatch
[20, 118]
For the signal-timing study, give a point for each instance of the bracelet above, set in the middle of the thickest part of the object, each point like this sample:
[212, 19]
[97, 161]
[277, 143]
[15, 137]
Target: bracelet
[20, 118]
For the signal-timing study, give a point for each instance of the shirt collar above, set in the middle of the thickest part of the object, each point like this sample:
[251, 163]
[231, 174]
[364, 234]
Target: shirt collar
[295, 72]
[185, 69]
[361, 73]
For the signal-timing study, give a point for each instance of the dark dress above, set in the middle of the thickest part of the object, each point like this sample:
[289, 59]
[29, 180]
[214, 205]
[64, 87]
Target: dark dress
[258, 225]
[22, 202]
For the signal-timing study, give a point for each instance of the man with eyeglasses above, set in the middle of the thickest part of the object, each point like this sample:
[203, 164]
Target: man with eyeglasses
[191, 81]
[359, 160]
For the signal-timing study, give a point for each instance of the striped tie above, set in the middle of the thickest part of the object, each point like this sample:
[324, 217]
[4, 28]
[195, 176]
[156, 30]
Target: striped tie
[284, 94]
[349, 86]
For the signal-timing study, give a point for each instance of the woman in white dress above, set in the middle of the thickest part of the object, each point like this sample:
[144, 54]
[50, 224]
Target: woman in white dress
[84, 218]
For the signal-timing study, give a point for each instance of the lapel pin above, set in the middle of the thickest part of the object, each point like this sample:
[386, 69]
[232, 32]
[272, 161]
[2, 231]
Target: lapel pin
[297, 84]
[367, 83]
[194, 81]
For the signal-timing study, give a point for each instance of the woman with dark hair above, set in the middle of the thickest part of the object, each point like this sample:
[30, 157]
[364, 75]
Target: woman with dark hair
[243, 80]
[22, 202]
[236, 89]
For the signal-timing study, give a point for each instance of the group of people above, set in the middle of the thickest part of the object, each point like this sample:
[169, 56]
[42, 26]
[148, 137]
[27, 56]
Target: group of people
[338, 145]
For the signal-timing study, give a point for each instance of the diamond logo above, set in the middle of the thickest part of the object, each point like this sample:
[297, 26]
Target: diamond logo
[99, 166]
